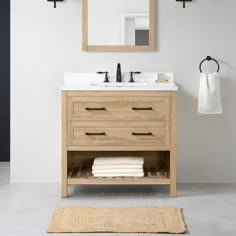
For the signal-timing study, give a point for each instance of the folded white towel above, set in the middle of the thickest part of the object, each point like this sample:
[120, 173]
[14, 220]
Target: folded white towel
[119, 161]
[120, 175]
[109, 167]
[209, 99]
[118, 171]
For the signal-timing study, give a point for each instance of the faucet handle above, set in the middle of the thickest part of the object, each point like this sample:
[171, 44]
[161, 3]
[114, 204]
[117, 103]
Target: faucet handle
[132, 75]
[106, 75]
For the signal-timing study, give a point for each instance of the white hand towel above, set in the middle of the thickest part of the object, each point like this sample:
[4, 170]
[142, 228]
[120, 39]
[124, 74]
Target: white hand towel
[114, 167]
[120, 175]
[209, 99]
[119, 161]
[118, 171]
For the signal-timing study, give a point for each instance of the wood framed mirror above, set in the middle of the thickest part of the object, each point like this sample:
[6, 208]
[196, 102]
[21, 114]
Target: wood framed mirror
[118, 25]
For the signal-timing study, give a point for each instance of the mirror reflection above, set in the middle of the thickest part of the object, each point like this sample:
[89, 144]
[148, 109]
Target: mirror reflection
[118, 22]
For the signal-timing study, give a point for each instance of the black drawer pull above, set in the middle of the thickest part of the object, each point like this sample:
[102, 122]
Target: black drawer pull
[95, 109]
[98, 134]
[142, 134]
[142, 108]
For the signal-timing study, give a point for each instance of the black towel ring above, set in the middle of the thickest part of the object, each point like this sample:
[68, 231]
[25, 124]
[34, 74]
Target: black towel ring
[208, 58]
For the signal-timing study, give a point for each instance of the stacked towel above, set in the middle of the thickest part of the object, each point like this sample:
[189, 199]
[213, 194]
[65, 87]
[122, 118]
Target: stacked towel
[118, 167]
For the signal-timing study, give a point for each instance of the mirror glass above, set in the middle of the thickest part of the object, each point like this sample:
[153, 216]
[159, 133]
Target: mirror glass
[118, 22]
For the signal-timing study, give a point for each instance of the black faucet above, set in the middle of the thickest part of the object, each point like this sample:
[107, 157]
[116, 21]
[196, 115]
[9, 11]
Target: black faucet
[118, 74]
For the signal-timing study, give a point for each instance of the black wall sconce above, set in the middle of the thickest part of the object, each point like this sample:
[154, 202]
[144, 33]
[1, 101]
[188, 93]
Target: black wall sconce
[184, 1]
[55, 2]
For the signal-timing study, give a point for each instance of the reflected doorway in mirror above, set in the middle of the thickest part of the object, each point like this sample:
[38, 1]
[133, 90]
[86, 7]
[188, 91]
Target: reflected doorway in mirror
[135, 29]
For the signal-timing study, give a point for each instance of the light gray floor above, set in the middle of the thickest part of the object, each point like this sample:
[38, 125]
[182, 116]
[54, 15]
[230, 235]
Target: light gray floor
[25, 209]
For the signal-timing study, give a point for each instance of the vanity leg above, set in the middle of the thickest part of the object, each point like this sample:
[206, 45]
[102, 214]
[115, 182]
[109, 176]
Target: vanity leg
[64, 190]
[64, 183]
[172, 174]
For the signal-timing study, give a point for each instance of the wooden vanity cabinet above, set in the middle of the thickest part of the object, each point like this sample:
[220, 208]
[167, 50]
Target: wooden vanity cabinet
[119, 123]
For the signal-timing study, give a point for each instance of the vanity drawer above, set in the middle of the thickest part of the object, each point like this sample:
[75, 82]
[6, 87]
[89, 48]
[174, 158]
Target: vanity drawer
[119, 108]
[118, 133]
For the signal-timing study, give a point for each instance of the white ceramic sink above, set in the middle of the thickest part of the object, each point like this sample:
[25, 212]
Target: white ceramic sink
[119, 85]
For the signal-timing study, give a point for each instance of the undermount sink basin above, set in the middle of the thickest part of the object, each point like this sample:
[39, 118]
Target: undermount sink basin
[119, 84]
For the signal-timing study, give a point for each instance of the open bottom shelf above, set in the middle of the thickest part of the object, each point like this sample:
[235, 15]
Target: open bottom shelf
[152, 176]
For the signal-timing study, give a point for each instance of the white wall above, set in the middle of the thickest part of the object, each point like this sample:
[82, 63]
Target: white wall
[46, 42]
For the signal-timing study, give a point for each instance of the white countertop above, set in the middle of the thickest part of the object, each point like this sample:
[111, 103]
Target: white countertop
[86, 87]
[94, 82]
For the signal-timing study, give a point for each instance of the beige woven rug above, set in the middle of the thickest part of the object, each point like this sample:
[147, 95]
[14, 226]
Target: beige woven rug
[117, 219]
